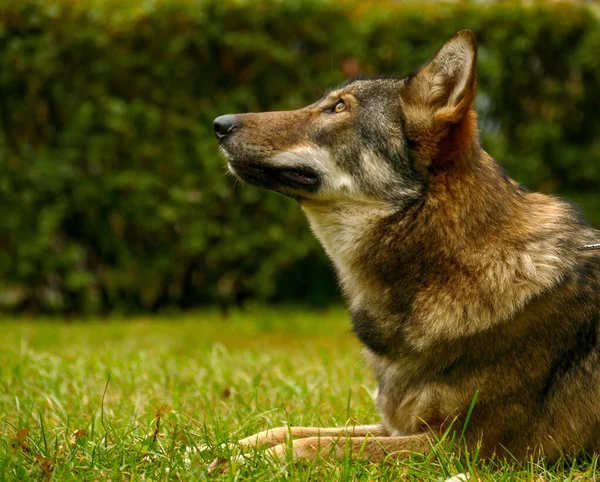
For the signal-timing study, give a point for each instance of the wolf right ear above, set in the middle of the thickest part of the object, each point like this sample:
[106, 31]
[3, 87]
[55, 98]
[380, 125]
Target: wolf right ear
[443, 91]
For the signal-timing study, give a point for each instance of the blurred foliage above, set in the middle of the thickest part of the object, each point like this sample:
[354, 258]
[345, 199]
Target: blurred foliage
[112, 192]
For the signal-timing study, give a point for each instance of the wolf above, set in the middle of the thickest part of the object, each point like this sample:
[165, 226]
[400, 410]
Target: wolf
[461, 283]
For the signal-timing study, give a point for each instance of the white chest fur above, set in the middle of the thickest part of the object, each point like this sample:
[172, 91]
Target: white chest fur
[343, 227]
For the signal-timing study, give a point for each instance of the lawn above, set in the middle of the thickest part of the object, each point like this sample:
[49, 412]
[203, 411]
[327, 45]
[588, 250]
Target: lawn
[136, 399]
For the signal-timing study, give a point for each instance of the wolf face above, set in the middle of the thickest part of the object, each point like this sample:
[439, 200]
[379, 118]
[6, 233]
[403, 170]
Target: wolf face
[362, 141]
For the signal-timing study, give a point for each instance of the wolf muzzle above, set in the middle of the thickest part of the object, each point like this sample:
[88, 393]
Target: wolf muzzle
[224, 125]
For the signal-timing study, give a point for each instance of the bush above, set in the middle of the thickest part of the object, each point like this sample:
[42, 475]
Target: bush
[112, 192]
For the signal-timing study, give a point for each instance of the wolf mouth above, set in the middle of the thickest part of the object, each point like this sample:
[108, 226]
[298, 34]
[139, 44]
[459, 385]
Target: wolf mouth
[298, 177]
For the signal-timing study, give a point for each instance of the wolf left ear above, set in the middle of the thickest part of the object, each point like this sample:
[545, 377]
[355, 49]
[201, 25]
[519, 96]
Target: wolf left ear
[442, 92]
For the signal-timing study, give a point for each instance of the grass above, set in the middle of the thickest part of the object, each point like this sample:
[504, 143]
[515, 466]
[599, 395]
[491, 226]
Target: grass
[134, 400]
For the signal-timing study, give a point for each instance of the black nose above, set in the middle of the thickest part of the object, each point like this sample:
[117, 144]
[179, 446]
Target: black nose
[224, 125]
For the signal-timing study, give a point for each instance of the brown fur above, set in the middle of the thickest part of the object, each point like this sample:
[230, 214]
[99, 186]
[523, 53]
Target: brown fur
[459, 280]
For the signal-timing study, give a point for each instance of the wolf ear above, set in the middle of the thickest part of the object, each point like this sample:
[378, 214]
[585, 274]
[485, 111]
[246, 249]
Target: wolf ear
[442, 92]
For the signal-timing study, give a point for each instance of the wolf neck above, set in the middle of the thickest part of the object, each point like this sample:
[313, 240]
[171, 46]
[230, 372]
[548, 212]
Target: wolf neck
[341, 227]
[471, 255]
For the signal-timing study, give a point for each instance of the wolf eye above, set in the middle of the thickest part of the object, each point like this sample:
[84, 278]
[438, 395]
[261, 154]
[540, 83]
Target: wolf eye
[340, 107]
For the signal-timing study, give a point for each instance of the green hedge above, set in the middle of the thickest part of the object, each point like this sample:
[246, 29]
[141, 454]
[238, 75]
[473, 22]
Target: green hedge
[112, 192]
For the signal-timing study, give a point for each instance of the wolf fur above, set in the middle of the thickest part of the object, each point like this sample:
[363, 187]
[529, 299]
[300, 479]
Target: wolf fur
[459, 281]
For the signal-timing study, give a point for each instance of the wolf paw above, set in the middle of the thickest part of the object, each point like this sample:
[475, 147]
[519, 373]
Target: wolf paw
[220, 464]
[230, 455]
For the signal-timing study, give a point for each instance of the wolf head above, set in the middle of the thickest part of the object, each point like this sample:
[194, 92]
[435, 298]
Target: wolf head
[381, 140]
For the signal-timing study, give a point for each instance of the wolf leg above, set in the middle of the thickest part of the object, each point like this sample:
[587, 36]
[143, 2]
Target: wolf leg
[375, 449]
[280, 435]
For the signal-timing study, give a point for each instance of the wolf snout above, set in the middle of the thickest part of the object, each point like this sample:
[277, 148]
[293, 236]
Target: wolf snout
[224, 125]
